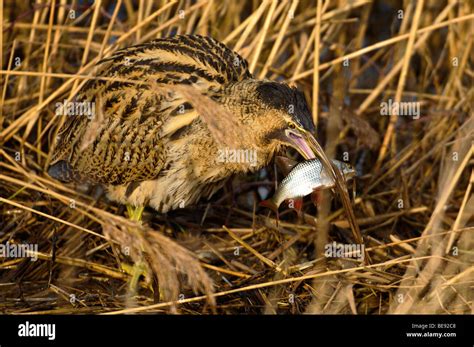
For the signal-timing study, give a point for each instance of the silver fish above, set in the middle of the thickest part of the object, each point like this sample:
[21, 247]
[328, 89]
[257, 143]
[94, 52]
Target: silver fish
[304, 179]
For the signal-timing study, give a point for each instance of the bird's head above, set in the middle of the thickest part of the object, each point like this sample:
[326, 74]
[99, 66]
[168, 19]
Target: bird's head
[283, 118]
[270, 115]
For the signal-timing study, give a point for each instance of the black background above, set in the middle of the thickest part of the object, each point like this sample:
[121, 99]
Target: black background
[389, 330]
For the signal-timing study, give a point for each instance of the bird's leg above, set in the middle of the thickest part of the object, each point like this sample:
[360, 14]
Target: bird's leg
[135, 212]
[135, 271]
[139, 268]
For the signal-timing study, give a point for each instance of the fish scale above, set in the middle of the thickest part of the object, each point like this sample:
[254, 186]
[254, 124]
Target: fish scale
[304, 179]
[300, 181]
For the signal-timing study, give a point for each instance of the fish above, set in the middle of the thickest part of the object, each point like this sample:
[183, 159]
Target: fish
[304, 179]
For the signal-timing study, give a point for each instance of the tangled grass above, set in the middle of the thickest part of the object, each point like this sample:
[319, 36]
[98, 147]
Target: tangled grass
[414, 203]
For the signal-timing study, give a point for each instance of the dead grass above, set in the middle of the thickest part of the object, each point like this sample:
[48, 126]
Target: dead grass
[414, 205]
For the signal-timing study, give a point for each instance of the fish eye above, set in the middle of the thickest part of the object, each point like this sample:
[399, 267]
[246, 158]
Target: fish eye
[292, 125]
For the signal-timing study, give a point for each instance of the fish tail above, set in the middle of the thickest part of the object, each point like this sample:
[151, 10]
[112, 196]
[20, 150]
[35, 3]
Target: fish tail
[269, 203]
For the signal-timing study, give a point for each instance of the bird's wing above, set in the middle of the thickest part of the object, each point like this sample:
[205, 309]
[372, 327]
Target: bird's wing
[121, 144]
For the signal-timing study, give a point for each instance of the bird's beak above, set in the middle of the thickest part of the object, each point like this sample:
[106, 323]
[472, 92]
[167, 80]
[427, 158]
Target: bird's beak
[305, 143]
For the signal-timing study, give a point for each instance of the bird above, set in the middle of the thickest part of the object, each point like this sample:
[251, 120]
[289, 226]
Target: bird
[151, 147]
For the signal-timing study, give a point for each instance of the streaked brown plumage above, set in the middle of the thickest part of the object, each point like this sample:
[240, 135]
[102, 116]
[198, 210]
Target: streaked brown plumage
[151, 147]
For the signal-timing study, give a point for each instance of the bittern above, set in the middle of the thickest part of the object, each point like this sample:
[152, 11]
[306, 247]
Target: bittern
[151, 147]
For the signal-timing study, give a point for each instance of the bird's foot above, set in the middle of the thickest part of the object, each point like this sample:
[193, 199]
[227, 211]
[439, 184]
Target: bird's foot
[136, 271]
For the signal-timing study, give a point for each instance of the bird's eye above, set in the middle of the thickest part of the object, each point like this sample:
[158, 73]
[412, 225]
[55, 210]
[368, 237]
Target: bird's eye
[292, 125]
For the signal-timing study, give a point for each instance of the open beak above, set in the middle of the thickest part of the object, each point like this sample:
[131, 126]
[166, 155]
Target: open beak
[305, 143]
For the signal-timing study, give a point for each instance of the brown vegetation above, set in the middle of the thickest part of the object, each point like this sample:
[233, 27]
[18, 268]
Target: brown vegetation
[414, 204]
